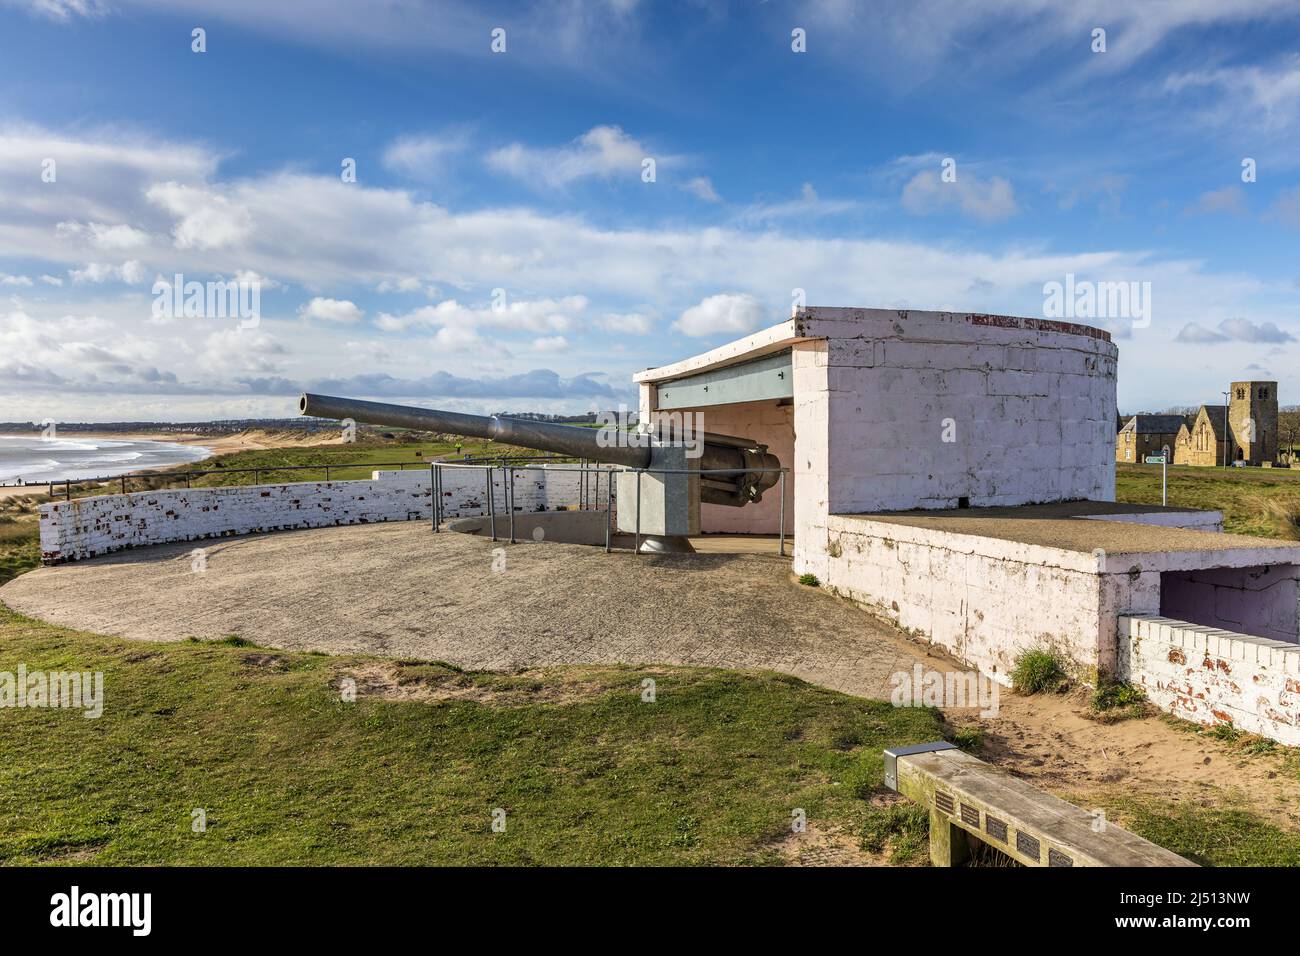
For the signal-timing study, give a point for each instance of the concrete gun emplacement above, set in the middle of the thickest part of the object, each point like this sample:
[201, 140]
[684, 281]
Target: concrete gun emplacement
[752, 468]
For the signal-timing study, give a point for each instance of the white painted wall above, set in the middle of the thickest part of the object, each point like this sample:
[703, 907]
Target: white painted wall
[1031, 405]
[1212, 676]
[85, 527]
[987, 600]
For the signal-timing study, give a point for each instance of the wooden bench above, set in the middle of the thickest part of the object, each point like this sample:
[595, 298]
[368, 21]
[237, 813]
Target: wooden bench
[970, 798]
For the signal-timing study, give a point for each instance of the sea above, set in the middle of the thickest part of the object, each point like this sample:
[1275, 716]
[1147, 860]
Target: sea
[31, 459]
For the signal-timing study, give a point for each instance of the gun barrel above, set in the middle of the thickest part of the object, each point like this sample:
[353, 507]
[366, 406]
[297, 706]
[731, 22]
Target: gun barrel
[750, 462]
[569, 440]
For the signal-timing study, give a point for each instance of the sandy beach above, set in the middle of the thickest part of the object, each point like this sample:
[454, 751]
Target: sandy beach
[250, 440]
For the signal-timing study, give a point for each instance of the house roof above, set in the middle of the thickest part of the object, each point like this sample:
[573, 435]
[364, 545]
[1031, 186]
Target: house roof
[1215, 414]
[1156, 424]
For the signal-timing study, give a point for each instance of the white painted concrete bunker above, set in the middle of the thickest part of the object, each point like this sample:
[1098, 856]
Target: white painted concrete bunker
[955, 472]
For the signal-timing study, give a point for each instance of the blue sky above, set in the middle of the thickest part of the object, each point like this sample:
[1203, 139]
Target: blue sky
[522, 172]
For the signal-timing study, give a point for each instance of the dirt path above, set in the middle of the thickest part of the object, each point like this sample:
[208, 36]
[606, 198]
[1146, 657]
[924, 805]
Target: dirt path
[398, 590]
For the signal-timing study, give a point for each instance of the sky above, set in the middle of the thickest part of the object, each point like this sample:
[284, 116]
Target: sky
[514, 206]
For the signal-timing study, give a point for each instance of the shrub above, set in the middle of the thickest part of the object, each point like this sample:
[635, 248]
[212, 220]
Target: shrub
[1037, 671]
[810, 580]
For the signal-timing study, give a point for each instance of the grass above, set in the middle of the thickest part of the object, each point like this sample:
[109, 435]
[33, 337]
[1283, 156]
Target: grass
[288, 773]
[901, 828]
[1259, 501]
[1113, 701]
[1210, 836]
[810, 580]
[1038, 671]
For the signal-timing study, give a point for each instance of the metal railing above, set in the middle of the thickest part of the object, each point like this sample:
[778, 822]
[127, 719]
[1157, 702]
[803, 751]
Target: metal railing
[508, 472]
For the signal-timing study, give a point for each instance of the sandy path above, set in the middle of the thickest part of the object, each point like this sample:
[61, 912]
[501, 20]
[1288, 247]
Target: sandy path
[398, 590]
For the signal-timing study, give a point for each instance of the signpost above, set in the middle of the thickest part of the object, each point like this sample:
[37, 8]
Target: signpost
[1163, 462]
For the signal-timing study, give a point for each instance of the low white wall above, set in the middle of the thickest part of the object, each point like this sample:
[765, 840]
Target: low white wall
[984, 599]
[987, 600]
[1212, 676]
[85, 527]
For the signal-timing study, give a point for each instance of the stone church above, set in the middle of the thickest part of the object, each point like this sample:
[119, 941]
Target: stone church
[1249, 436]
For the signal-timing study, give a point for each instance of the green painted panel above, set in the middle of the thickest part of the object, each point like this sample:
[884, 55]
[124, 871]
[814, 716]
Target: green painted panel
[769, 377]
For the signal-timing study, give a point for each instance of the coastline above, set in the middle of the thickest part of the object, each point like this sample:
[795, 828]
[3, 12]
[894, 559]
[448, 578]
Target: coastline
[250, 440]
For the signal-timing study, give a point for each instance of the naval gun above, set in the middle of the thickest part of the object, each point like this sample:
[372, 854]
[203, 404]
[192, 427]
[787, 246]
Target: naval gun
[686, 466]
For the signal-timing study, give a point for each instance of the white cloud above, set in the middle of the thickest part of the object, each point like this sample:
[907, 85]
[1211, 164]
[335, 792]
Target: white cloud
[729, 312]
[1269, 95]
[702, 188]
[986, 200]
[331, 310]
[551, 343]
[207, 220]
[404, 284]
[130, 272]
[1235, 330]
[23, 281]
[426, 157]
[604, 151]
[51, 280]
[808, 206]
[626, 323]
[519, 315]
[62, 10]
[116, 238]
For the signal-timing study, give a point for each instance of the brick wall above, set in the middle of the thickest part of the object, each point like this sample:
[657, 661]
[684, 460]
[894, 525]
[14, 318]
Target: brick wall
[1212, 676]
[85, 527]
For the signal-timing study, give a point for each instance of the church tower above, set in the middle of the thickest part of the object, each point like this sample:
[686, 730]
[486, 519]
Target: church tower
[1252, 414]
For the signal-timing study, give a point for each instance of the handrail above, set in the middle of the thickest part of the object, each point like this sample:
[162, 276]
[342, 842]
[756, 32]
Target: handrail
[435, 483]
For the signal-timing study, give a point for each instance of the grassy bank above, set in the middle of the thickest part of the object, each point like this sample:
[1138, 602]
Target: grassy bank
[288, 772]
[1262, 501]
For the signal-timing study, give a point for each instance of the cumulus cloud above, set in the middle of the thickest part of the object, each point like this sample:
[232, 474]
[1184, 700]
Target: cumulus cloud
[603, 151]
[728, 312]
[1235, 330]
[551, 343]
[207, 220]
[23, 281]
[331, 310]
[988, 200]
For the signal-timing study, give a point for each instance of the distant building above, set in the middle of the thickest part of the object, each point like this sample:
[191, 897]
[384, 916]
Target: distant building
[1144, 435]
[1249, 435]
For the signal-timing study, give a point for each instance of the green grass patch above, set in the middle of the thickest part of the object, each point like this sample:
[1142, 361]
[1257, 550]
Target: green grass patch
[287, 772]
[810, 580]
[969, 737]
[1259, 501]
[1113, 701]
[1038, 671]
[1210, 836]
[901, 828]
